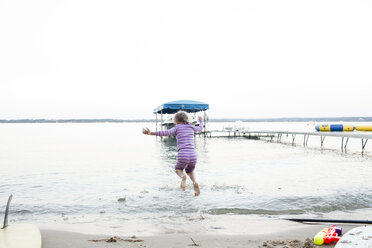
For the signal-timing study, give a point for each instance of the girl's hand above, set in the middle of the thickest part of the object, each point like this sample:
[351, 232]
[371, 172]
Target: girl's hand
[146, 131]
[200, 118]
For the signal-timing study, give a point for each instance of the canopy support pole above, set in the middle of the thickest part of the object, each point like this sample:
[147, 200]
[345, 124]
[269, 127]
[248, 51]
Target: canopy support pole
[205, 123]
[161, 123]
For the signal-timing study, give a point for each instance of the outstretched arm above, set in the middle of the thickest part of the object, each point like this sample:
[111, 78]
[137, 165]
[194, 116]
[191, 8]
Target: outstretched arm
[166, 132]
[147, 131]
[159, 133]
[200, 127]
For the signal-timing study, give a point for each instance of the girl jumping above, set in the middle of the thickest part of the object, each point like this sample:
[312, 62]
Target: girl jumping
[186, 159]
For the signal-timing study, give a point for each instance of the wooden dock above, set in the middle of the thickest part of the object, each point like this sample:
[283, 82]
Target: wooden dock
[257, 134]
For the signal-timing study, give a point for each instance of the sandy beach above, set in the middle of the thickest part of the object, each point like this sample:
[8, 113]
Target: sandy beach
[293, 235]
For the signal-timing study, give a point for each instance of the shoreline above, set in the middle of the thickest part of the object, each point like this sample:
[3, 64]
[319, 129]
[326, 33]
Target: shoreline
[270, 233]
[296, 236]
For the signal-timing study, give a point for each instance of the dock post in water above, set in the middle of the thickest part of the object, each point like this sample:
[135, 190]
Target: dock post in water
[347, 140]
[293, 138]
[364, 144]
[322, 138]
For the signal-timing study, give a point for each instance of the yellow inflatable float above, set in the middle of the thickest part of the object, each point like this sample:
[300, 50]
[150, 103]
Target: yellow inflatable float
[334, 128]
[341, 128]
[363, 128]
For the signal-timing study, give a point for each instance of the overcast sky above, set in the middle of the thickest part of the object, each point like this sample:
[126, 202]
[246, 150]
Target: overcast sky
[247, 59]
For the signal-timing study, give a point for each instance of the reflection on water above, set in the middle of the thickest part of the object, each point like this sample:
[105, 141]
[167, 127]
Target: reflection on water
[168, 147]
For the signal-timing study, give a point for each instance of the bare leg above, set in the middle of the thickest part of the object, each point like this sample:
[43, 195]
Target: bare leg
[196, 185]
[183, 179]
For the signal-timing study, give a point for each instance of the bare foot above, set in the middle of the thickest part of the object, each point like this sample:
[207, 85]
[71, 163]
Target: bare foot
[196, 189]
[183, 182]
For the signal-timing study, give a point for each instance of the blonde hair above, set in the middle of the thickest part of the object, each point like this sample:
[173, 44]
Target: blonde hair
[181, 117]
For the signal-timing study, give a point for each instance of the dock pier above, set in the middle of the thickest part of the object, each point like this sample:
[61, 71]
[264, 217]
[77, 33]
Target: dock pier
[258, 134]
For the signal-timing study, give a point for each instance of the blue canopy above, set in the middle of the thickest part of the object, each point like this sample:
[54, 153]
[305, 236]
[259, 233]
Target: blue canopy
[186, 105]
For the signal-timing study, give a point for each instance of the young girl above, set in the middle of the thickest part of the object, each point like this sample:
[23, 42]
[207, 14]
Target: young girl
[186, 159]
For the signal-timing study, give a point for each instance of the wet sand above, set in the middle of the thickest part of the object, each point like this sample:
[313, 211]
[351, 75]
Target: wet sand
[290, 238]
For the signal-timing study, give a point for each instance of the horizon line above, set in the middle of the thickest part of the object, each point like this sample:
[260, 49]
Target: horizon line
[345, 118]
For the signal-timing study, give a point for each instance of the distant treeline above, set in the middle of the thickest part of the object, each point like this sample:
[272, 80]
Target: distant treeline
[71, 120]
[305, 119]
[298, 119]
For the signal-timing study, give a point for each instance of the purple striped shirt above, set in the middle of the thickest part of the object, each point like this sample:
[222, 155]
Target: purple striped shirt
[184, 134]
